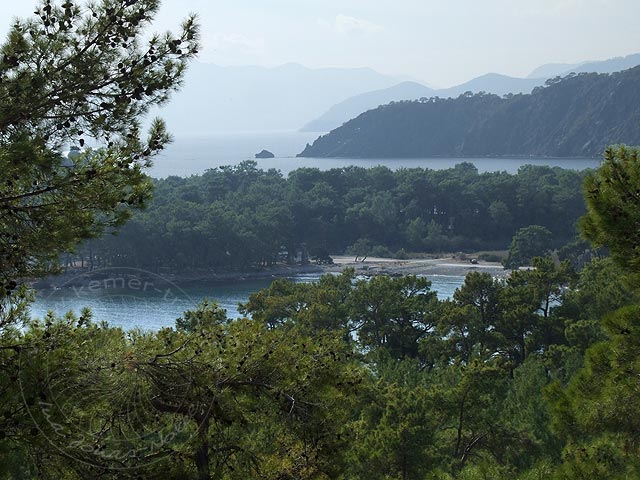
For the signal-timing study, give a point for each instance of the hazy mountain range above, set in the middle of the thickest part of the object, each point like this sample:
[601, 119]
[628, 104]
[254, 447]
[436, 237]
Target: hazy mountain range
[251, 98]
[291, 96]
[354, 106]
[604, 66]
[490, 83]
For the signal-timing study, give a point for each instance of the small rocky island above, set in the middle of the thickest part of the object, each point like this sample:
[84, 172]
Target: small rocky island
[265, 154]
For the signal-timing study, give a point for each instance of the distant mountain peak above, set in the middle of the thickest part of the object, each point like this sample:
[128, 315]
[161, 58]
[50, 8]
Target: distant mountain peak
[354, 106]
[292, 66]
[550, 70]
[615, 64]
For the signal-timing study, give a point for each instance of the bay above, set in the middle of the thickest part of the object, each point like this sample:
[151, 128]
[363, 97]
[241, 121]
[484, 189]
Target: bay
[192, 155]
[154, 308]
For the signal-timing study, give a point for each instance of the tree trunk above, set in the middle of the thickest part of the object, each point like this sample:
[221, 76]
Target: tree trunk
[202, 453]
[90, 256]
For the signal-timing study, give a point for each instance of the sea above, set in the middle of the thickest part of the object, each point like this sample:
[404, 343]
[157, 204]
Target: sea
[193, 154]
[150, 305]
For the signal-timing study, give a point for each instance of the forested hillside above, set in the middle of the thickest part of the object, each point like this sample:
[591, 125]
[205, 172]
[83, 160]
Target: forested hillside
[578, 115]
[238, 217]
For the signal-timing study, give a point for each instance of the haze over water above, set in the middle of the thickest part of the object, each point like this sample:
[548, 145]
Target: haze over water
[192, 155]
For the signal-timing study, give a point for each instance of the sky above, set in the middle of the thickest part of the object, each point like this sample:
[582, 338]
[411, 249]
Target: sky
[438, 42]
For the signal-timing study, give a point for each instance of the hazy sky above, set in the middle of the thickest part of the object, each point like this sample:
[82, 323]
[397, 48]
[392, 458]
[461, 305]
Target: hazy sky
[441, 42]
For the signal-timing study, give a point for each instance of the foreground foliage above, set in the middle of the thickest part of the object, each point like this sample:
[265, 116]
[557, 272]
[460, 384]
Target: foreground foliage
[78, 74]
[344, 378]
[216, 398]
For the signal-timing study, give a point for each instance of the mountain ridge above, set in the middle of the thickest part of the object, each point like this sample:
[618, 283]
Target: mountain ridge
[357, 104]
[610, 65]
[577, 116]
[495, 83]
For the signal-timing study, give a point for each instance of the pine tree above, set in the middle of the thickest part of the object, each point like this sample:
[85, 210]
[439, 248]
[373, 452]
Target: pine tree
[78, 74]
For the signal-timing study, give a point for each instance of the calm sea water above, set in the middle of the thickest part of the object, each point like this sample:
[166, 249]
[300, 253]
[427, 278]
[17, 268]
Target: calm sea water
[193, 155]
[153, 308]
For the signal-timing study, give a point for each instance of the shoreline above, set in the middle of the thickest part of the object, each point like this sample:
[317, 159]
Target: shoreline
[445, 266]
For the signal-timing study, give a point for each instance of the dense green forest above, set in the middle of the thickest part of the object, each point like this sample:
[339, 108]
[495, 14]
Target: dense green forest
[578, 115]
[239, 217]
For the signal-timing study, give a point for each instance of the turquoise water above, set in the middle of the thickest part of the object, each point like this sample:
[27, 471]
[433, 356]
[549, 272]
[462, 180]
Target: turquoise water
[189, 155]
[153, 308]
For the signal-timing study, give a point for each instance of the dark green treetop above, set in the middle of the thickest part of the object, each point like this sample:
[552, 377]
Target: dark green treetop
[612, 194]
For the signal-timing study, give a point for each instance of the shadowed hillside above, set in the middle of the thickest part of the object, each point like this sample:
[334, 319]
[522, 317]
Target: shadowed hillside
[575, 116]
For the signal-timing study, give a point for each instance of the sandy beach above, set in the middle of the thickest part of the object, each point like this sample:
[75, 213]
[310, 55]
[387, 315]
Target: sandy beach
[430, 266]
[367, 267]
